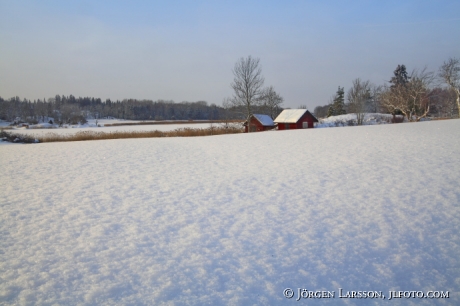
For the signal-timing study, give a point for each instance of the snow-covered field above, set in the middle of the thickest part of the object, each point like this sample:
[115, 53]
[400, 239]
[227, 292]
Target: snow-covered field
[107, 129]
[233, 219]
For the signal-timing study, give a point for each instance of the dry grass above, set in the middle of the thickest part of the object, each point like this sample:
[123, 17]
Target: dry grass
[172, 122]
[442, 118]
[93, 135]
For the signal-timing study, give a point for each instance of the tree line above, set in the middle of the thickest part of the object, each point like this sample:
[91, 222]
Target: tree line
[414, 96]
[72, 110]
[69, 109]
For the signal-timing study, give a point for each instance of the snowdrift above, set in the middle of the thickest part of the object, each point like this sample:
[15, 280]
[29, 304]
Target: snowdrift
[233, 219]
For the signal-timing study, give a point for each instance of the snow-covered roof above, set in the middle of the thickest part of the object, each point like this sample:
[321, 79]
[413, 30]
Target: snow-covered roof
[264, 119]
[290, 115]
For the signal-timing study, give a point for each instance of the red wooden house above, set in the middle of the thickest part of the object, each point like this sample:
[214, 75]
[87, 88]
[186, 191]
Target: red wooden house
[259, 123]
[291, 119]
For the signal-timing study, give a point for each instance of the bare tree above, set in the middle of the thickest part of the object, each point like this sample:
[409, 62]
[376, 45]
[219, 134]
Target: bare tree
[358, 97]
[247, 84]
[70, 113]
[449, 73]
[374, 105]
[271, 101]
[442, 102]
[321, 111]
[411, 98]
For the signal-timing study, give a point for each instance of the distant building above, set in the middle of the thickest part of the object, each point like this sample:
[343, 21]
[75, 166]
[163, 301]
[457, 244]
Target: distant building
[291, 119]
[259, 123]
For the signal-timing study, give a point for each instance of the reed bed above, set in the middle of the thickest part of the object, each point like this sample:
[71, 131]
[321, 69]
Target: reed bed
[172, 122]
[97, 135]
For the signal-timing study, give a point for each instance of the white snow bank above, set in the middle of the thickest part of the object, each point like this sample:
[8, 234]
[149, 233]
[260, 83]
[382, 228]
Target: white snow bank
[233, 219]
[350, 120]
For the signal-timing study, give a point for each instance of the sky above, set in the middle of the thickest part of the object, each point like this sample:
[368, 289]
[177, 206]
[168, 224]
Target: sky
[186, 50]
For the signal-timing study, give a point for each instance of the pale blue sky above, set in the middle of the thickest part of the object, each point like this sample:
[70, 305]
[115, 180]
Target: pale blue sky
[185, 50]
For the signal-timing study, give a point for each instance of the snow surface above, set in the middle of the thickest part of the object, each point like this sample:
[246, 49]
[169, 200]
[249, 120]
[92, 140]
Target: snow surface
[233, 219]
[4, 123]
[290, 115]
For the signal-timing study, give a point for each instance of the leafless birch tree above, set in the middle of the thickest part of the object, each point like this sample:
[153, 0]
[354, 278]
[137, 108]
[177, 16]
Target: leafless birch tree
[358, 97]
[271, 101]
[247, 84]
[374, 103]
[449, 73]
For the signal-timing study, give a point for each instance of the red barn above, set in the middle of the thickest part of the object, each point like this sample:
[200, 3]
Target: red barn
[291, 119]
[259, 123]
